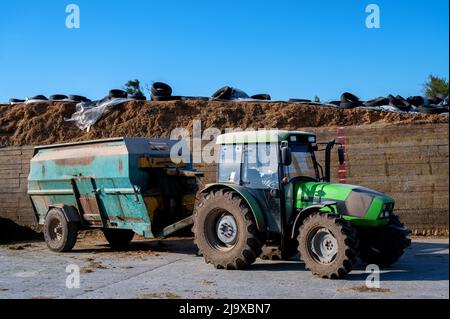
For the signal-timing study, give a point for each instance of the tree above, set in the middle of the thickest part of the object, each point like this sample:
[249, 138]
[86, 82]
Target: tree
[133, 87]
[436, 85]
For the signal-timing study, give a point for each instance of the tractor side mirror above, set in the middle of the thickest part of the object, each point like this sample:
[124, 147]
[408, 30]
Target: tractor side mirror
[341, 154]
[286, 156]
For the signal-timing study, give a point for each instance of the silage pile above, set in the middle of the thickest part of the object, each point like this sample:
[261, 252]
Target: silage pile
[37, 124]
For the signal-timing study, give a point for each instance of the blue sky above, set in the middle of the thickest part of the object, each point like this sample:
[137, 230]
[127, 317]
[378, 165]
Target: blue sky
[285, 48]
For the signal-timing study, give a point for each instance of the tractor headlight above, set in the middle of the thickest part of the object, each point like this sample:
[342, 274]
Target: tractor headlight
[388, 208]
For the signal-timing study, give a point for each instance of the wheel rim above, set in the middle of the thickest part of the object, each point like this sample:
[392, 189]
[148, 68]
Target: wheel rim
[323, 246]
[55, 230]
[226, 229]
[221, 230]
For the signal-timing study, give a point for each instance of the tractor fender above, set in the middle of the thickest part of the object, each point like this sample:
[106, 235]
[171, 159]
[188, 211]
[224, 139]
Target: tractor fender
[70, 213]
[249, 199]
[301, 216]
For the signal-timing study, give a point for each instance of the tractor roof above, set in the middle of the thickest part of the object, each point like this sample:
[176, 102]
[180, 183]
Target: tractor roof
[260, 136]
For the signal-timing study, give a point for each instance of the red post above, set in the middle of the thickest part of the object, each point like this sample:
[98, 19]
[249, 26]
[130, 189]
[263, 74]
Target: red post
[342, 167]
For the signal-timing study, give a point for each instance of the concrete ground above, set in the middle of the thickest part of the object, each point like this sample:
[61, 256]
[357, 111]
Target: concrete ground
[171, 269]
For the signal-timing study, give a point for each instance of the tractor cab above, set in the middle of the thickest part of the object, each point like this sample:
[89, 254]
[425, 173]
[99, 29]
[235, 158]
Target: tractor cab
[269, 164]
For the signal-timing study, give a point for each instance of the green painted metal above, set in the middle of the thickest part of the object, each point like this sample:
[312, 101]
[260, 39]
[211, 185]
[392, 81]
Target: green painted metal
[247, 196]
[104, 173]
[261, 136]
[312, 193]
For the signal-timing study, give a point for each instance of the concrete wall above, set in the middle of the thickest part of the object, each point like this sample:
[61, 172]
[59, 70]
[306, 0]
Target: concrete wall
[408, 162]
[14, 168]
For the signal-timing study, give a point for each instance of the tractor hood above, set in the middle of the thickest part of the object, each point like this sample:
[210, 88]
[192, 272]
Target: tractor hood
[350, 200]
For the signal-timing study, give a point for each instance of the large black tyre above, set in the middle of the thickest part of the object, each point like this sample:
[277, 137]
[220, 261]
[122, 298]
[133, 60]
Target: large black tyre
[377, 102]
[57, 97]
[349, 101]
[223, 93]
[327, 245]
[117, 94]
[416, 100]
[431, 109]
[59, 234]
[118, 237]
[401, 103]
[161, 89]
[225, 231]
[16, 101]
[78, 98]
[39, 97]
[384, 246]
[348, 97]
[263, 97]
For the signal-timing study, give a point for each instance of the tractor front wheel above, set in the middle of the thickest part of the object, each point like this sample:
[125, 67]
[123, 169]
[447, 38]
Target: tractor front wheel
[225, 230]
[327, 245]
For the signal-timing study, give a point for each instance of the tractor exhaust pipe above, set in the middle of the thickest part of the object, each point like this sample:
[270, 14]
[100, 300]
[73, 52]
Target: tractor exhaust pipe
[328, 149]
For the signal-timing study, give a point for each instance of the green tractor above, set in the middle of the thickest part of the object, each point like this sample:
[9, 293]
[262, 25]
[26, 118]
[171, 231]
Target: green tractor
[272, 192]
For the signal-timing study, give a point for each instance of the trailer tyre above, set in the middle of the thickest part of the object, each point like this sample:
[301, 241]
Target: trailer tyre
[118, 237]
[225, 230]
[327, 245]
[59, 234]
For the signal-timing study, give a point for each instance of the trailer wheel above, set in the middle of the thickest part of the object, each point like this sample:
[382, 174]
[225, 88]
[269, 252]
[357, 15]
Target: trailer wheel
[118, 237]
[59, 234]
[225, 230]
[327, 245]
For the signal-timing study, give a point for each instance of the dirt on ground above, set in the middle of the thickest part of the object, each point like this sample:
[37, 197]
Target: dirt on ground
[33, 124]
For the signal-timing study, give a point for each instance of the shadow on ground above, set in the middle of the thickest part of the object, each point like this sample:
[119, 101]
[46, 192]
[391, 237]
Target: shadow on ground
[11, 232]
[421, 262]
[183, 246]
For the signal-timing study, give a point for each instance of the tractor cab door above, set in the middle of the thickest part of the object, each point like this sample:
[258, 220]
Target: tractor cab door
[260, 174]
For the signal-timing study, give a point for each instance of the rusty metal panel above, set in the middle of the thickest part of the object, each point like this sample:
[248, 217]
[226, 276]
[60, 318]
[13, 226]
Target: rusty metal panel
[89, 205]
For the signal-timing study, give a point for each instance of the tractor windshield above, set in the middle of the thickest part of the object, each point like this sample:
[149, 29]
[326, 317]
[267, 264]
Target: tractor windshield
[303, 162]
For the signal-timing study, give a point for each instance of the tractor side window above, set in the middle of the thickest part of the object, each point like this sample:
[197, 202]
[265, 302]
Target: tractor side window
[260, 166]
[230, 158]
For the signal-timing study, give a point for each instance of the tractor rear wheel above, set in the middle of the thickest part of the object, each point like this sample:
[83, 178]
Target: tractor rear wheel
[118, 237]
[59, 234]
[225, 231]
[327, 245]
